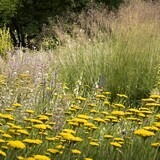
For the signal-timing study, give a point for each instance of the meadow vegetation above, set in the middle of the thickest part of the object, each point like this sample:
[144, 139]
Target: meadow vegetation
[93, 92]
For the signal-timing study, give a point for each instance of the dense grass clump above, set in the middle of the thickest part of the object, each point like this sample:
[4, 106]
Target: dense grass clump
[122, 54]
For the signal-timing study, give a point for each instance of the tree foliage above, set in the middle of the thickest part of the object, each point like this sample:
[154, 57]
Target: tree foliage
[25, 18]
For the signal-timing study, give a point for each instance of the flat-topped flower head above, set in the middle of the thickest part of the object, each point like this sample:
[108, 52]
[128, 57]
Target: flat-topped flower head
[98, 119]
[92, 104]
[88, 159]
[7, 136]
[144, 133]
[17, 105]
[43, 118]
[53, 151]
[92, 143]
[75, 151]
[148, 100]
[83, 116]
[155, 96]
[16, 144]
[2, 153]
[81, 98]
[118, 105]
[9, 109]
[151, 128]
[156, 144]
[115, 144]
[117, 113]
[32, 141]
[107, 136]
[122, 95]
[22, 131]
[69, 131]
[41, 157]
[29, 111]
[100, 96]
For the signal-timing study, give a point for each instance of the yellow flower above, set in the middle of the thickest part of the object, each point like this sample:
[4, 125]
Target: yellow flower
[94, 144]
[157, 144]
[9, 109]
[118, 105]
[1, 131]
[1, 140]
[17, 105]
[16, 127]
[16, 144]
[118, 113]
[152, 105]
[111, 117]
[75, 151]
[154, 96]
[20, 158]
[40, 126]
[94, 111]
[133, 119]
[29, 111]
[157, 116]
[115, 144]
[70, 137]
[92, 104]
[41, 157]
[146, 112]
[7, 117]
[133, 110]
[22, 131]
[52, 138]
[157, 124]
[88, 124]
[69, 131]
[43, 118]
[76, 107]
[122, 95]
[73, 123]
[99, 120]
[106, 93]
[4, 147]
[147, 100]
[88, 159]
[104, 112]
[118, 139]
[6, 135]
[67, 136]
[29, 158]
[52, 150]
[100, 96]
[60, 147]
[33, 120]
[151, 128]
[3, 153]
[81, 98]
[79, 120]
[144, 133]
[32, 141]
[83, 116]
[108, 136]
[106, 102]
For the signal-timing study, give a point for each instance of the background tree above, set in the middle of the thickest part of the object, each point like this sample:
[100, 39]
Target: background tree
[25, 18]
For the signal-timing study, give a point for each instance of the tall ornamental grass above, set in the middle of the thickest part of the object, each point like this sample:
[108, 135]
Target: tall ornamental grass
[122, 57]
[5, 42]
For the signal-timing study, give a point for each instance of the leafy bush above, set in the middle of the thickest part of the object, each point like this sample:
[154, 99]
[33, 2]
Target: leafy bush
[5, 41]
